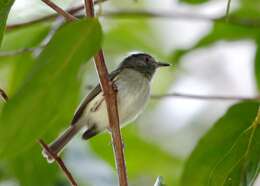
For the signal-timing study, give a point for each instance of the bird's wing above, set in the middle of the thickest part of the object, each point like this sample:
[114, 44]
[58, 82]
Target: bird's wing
[89, 97]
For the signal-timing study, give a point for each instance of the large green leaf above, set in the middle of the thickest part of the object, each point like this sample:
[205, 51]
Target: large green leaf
[22, 167]
[229, 153]
[20, 64]
[24, 37]
[49, 95]
[5, 6]
[142, 158]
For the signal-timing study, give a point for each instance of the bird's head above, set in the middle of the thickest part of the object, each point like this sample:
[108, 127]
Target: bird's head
[142, 63]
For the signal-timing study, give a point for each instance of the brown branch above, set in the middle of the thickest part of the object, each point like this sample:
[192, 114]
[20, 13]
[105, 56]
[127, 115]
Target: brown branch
[59, 162]
[89, 8]
[3, 95]
[56, 8]
[111, 102]
[110, 95]
[206, 97]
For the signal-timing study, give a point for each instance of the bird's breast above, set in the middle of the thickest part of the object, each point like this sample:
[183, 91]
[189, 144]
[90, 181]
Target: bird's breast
[132, 95]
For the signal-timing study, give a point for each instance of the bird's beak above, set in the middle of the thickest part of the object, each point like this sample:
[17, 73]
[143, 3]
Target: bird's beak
[160, 64]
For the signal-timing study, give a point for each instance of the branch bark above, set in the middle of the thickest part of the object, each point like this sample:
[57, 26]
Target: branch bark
[59, 162]
[56, 8]
[111, 102]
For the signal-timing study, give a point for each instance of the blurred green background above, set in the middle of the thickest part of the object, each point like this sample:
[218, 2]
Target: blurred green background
[189, 142]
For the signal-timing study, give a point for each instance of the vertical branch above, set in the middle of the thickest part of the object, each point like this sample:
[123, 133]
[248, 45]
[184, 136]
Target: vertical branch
[111, 102]
[89, 8]
[109, 94]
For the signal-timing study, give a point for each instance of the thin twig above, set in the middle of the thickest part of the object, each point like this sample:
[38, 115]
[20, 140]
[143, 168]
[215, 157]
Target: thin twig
[56, 8]
[206, 97]
[182, 16]
[245, 22]
[19, 51]
[3, 95]
[59, 162]
[110, 95]
[228, 9]
[72, 11]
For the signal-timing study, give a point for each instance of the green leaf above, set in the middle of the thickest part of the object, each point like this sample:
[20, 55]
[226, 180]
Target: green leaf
[27, 164]
[229, 153]
[46, 102]
[49, 95]
[5, 6]
[142, 158]
[28, 36]
[20, 65]
[31, 169]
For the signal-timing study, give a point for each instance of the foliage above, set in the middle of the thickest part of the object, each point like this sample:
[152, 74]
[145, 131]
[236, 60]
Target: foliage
[51, 83]
[5, 6]
[44, 86]
[229, 153]
[232, 30]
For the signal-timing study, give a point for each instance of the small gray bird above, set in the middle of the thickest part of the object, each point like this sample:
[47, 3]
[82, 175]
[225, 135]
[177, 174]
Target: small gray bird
[132, 79]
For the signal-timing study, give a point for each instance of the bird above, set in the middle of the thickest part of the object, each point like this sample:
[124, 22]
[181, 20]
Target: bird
[132, 79]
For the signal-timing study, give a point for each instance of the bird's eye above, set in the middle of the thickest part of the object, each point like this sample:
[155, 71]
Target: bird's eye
[146, 59]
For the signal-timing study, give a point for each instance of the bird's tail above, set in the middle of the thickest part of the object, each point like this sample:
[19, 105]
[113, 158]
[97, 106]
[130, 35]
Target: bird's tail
[57, 145]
